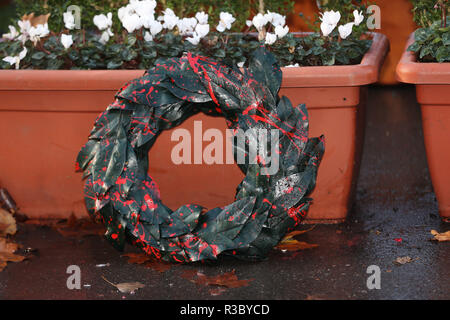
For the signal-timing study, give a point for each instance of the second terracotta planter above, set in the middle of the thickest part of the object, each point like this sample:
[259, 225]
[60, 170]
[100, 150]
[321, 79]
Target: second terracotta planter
[45, 117]
[432, 82]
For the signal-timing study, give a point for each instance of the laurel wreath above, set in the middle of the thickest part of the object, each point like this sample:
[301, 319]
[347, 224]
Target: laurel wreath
[120, 193]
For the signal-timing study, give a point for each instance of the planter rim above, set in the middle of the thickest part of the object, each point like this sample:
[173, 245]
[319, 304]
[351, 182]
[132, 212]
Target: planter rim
[315, 76]
[409, 70]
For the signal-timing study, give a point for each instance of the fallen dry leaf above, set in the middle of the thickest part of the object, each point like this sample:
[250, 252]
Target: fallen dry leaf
[148, 261]
[295, 245]
[296, 233]
[7, 254]
[290, 244]
[404, 260]
[126, 287]
[226, 280]
[7, 223]
[35, 20]
[445, 236]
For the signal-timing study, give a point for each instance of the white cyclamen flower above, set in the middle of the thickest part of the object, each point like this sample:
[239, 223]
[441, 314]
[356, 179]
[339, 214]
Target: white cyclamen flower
[270, 38]
[202, 17]
[106, 36]
[202, 30]
[259, 21]
[69, 20]
[131, 22]
[102, 21]
[66, 40]
[249, 23]
[124, 11]
[275, 19]
[194, 39]
[327, 28]
[241, 64]
[155, 27]
[186, 25]
[12, 33]
[25, 27]
[147, 21]
[169, 18]
[144, 8]
[16, 59]
[226, 20]
[137, 14]
[281, 31]
[38, 32]
[359, 17]
[345, 30]
[330, 20]
[148, 36]
[331, 17]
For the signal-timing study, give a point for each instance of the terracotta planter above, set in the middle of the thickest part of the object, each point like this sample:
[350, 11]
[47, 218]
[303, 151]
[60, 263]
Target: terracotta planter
[432, 82]
[45, 117]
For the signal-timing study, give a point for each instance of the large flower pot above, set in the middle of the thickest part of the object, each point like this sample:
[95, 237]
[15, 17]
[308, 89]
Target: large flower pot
[432, 82]
[46, 116]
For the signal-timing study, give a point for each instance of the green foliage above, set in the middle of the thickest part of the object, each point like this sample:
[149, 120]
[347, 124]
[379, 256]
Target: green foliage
[134, 52]
[432, 43]
[131, 51]
[315, 50]
[432, 40]
[425, 12]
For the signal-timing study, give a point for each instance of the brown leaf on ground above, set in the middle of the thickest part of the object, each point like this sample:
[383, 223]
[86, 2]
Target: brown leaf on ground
[78, 228]
[148, 261]
[295, 245]
[404, 260]
[35, 20]
[290, 244]
[7, 223]
[126, 287]
[226, 280]
[7, 254]
[292, 234]
[129, 287]
[444, 236]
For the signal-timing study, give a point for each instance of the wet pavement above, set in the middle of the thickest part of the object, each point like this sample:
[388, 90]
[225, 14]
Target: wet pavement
[395, 210]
